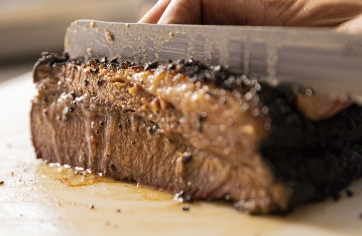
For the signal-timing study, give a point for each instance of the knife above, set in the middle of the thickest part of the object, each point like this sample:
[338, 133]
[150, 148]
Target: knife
[308, 59]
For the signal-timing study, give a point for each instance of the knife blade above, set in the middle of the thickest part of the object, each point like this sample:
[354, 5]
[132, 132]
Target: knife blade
[309, 59]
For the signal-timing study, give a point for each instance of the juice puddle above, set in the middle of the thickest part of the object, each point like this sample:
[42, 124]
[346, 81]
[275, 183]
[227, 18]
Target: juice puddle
[72, 178]
[69, 176]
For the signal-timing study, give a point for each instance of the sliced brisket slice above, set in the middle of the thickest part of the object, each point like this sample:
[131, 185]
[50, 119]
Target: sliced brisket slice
[184, 127]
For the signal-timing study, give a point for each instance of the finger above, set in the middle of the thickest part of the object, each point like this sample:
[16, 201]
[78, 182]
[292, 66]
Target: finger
[239, 12]
[155, 13]
[182, 12]
[236, 12]
[323, 13]
[352, 26]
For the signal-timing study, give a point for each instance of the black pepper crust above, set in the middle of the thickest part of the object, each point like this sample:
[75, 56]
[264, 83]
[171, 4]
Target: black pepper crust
[194, 69]
[315, 160]
[217, 75]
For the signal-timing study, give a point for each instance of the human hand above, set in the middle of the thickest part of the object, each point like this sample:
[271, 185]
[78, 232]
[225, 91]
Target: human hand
[344, 13]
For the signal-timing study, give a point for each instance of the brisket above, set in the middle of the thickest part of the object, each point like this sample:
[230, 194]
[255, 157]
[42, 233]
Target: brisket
[193, 130]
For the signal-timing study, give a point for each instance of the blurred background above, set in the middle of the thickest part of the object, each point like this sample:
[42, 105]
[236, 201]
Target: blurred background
[29, 27]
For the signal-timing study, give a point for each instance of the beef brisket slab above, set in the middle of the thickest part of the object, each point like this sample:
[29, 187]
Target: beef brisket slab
[193, 130]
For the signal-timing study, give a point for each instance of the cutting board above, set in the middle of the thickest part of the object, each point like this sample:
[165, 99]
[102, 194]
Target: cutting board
[39, 199]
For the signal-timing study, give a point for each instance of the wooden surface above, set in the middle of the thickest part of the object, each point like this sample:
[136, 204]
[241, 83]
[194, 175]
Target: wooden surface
[38, 199]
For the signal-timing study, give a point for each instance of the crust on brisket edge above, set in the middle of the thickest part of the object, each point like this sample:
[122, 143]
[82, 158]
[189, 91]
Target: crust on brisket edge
[193, 130]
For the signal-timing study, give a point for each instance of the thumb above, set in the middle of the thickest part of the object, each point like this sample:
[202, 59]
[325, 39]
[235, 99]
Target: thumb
[155, 13]
[353, 26]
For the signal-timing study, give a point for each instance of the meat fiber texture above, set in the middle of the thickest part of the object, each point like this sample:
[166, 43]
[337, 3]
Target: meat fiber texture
[192, 130]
